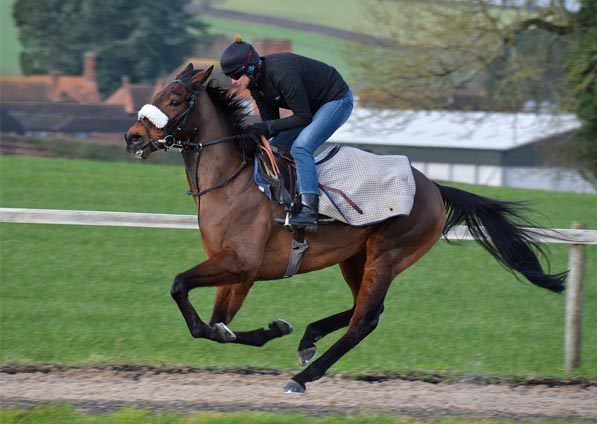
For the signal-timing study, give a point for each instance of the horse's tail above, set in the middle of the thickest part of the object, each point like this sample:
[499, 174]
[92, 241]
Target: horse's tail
[498, 227]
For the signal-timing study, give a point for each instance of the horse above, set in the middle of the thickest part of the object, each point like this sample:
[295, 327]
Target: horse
[243, 244]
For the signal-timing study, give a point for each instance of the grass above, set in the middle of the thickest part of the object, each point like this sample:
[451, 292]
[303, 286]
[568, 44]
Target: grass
[91, 295]
[66, 414]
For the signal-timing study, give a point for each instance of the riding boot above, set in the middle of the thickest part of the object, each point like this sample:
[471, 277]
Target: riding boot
[307, 214]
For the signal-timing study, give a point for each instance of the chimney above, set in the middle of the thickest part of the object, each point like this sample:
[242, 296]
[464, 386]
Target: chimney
[129, 104]
[89, 66]
[55, 85]
[267, 46]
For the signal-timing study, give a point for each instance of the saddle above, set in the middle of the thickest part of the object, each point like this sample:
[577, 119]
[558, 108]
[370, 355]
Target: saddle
[357, 188]
[275, 176]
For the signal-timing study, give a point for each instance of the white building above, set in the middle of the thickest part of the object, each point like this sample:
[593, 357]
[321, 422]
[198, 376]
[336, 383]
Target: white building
[496, 149]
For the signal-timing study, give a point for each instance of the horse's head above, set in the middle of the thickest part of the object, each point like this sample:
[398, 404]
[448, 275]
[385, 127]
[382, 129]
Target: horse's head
[163, 122]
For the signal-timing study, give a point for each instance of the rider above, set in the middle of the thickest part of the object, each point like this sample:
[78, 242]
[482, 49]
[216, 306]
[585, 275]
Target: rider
[315, 92]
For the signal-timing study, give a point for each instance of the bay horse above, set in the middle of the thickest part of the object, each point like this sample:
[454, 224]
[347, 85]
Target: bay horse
[243, 244]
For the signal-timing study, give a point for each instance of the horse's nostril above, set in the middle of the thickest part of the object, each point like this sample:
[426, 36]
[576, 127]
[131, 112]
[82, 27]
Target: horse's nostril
[133, 138]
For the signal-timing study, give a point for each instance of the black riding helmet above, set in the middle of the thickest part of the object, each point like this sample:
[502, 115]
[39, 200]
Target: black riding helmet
[239, 58]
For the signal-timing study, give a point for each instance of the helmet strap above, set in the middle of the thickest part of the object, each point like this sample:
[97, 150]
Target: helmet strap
[251, 71]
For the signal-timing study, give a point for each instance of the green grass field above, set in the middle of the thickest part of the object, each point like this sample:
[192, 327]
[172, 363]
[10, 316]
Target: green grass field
[65, 414]
[90, 295]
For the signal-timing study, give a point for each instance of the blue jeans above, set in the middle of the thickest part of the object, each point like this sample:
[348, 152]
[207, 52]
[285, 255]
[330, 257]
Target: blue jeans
[325, 122]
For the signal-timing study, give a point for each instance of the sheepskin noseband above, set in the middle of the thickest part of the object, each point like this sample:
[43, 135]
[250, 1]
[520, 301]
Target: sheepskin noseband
[154, 115]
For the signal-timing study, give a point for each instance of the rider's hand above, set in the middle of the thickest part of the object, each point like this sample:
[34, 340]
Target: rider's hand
[261, 128]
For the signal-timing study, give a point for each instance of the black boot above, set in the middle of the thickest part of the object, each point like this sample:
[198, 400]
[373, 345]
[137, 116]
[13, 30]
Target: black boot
[307, 214]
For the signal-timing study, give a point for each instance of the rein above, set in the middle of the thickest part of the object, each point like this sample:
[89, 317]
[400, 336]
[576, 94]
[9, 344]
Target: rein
[199, 146]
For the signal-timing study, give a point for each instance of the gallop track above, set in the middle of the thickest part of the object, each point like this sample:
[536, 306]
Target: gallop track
[106, 389]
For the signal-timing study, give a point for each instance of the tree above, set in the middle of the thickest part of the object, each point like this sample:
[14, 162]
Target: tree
[527, 55]
[143, 40]
[581, 70]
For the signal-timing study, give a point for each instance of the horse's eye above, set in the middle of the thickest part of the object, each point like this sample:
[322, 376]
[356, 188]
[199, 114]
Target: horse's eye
[174, 103]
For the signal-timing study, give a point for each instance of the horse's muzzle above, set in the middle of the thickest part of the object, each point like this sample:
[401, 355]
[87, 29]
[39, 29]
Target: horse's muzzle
[135, 145]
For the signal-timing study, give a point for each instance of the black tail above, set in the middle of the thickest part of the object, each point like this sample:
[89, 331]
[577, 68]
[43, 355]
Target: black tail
[504, 236]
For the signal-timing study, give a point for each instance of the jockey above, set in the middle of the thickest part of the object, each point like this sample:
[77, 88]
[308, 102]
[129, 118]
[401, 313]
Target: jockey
[316, 93]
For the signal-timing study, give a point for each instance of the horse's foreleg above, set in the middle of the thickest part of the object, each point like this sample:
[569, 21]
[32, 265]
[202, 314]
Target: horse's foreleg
[228, 301]
[213, 272]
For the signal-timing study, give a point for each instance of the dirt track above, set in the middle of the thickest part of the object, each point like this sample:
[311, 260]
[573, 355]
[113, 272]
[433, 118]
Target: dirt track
[104, 390]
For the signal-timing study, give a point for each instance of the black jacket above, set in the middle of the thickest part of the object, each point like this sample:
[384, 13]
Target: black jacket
[297, 83]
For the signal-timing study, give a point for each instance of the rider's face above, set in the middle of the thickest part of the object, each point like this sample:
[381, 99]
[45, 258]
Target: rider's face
[243, 82]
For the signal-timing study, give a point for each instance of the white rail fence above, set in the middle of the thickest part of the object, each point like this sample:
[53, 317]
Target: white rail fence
[578, 237]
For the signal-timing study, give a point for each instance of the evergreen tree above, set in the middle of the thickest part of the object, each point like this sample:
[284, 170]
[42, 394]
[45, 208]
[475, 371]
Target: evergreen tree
[143, 40]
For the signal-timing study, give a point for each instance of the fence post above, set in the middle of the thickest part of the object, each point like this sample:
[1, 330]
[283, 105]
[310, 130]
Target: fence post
[574, 303]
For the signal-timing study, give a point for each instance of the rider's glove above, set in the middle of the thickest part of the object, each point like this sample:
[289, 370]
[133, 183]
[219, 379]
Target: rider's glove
[261, 128]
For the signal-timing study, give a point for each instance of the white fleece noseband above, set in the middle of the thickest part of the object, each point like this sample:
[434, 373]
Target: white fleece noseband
[154, 115]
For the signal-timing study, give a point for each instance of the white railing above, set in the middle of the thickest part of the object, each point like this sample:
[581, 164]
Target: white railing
[156, 220]
[578, 238]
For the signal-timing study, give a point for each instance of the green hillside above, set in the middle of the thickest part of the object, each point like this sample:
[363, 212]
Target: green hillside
[337, 14]
[341, 14]
[328, 49]
[10, 47]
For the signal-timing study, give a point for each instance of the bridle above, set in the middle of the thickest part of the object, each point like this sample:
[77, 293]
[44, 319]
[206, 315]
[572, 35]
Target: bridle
[175, 126]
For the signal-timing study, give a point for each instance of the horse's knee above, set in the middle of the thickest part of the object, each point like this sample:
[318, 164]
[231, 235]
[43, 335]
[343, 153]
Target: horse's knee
[179, 289]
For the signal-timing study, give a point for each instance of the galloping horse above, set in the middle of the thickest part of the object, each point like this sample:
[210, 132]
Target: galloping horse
[243, 244]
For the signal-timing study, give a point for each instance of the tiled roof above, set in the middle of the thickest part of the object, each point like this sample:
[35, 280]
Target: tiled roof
[53, 87]
[70, 117]
[76, 88]
[25, 89]
[131, 96]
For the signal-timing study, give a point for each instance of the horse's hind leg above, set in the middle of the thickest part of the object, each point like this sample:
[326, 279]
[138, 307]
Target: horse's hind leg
[368, 308]
[352, 270]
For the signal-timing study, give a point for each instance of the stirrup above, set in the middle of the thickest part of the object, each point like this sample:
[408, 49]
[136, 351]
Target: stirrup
[285, 222]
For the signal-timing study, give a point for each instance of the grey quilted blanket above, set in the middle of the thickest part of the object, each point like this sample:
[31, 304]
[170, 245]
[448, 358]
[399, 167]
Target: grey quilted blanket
[381, 186]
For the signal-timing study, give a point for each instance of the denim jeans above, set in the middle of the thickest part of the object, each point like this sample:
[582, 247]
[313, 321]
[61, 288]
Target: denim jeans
[325, 122]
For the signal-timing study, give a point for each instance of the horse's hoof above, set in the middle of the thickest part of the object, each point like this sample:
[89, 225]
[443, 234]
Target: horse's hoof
[306, 355]
[224, 334]
[283, 326]
[294, 388]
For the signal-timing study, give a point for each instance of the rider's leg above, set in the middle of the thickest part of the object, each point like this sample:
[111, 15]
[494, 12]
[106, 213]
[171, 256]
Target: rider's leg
[325, 122]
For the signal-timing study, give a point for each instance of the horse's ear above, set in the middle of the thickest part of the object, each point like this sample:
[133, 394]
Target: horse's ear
[202, 76]
[186, 70]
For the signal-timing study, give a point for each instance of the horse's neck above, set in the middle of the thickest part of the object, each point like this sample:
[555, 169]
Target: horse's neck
[217, 162]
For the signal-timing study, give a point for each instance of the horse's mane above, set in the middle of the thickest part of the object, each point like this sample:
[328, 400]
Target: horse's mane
[234, 112]
[232, 108]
